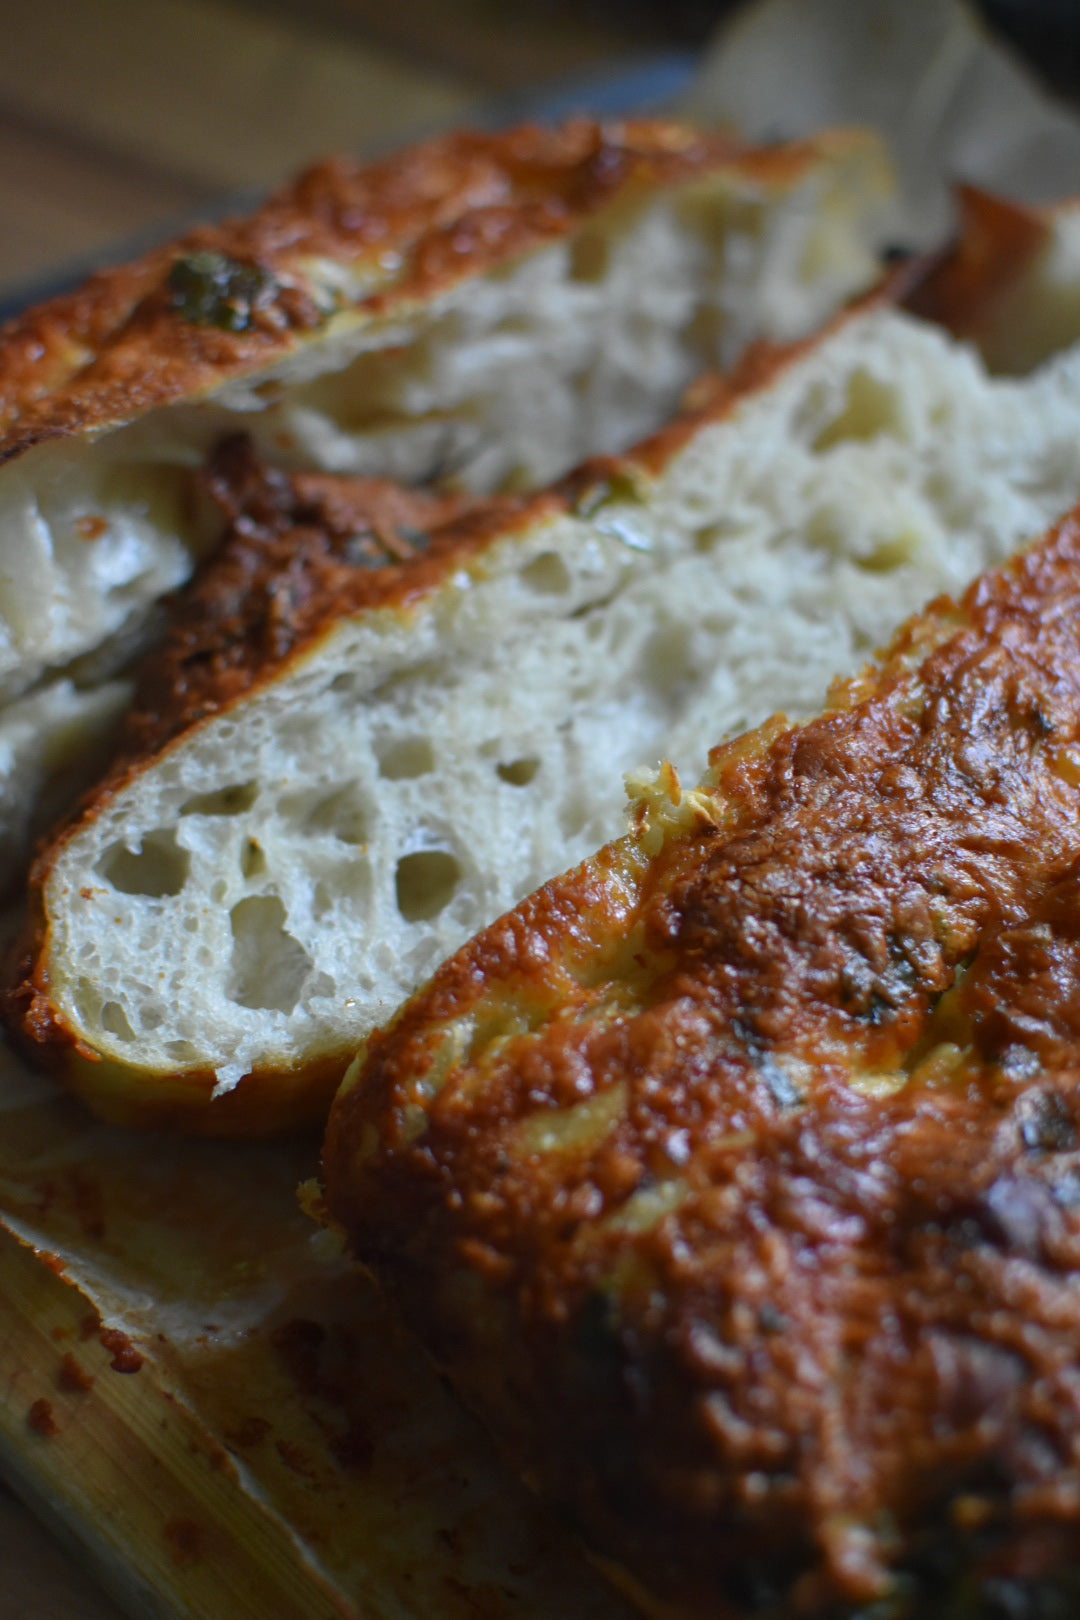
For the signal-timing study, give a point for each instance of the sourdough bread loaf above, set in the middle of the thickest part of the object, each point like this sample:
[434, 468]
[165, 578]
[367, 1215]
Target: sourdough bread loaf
[480, 310]
[383, 769]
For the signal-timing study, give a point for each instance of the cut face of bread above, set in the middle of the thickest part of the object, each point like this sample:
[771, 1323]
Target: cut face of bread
[53, 742]
[484, 309]
[446, 733]
[732, 1177]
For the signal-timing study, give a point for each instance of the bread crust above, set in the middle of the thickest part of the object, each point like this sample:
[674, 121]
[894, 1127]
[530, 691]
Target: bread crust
[731, 1176]
[400, 231]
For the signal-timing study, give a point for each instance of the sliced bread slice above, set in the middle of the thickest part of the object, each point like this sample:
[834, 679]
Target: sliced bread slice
[392, 756]
[487, 308]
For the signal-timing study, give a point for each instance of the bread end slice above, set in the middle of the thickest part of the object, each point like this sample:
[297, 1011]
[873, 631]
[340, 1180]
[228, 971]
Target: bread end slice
[731, 1177]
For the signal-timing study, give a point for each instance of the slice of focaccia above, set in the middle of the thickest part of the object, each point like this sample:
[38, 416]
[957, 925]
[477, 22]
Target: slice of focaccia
[343, 770]
[486, 308]
[733, 1177]
[481, 310]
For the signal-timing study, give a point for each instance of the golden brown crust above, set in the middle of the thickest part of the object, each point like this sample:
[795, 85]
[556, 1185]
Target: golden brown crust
[736, 1185]
[406, 228]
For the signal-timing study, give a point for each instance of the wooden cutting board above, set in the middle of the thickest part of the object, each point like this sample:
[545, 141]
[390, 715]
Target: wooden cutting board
[215, 1408]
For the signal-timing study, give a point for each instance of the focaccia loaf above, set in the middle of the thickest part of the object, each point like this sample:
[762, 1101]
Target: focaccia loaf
[733, 1176]
[486, 308]
[481, 310]
[363, 765]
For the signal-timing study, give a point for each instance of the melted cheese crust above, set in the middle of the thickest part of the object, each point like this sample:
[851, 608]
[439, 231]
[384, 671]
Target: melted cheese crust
[733, 1176]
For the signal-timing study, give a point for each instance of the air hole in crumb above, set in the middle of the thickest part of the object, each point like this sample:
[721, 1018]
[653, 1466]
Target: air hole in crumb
[159, 867]
[114, 1021]
[870, 409]
[572, 818]
[519, 772]
[344, 887]
[524, 323]
[269, 966]
[889, 554]
[668, 660]
[406, 757]
[218, 890]
[341, 813]
[181, 1051]
[252, 858]
[590, 256]
[547, 575]
[426, 882]
[227, 801]
[712, 535]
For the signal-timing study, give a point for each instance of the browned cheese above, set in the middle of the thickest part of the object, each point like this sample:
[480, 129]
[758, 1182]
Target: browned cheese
[734, 1176]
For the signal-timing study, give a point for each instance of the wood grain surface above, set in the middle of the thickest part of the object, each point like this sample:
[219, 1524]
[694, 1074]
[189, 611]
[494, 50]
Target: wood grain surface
[118, 117]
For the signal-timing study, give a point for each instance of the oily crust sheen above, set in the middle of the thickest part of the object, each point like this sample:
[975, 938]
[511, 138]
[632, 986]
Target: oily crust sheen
[346, 241]
[733, 1177]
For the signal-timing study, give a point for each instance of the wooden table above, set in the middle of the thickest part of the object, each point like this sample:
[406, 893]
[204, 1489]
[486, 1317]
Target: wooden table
[119, 118]
[116, 116]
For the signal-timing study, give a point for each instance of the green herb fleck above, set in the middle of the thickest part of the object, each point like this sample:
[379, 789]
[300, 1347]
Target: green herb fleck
[209, 289]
